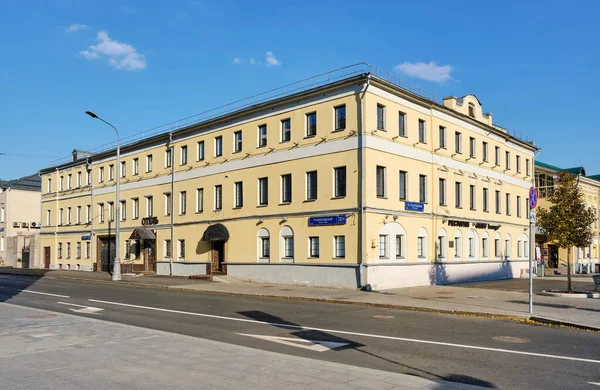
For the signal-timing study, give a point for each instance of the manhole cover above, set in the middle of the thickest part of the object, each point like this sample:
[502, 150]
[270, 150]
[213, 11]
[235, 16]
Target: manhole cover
[510, 339]
[381, 316]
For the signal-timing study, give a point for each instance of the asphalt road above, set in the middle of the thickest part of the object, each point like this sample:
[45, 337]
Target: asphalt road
[539, 284]
[486, 352]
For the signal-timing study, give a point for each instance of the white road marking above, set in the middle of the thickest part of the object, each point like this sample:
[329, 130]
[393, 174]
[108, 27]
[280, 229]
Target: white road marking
[315, 345]
[43, 293]
[39, 335]
[84, 309]
[594, 383]
[344, 332]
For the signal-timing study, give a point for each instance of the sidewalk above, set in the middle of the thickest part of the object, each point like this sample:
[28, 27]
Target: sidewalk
[47, 350]
[456, 299]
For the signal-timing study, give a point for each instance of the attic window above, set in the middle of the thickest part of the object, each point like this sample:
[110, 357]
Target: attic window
[471, 110]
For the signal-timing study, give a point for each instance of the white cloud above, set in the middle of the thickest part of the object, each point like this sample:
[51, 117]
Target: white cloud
[120, 55]
[271, 60]
[426, 71]
[252, 61]
[236, 60]
[75, 27]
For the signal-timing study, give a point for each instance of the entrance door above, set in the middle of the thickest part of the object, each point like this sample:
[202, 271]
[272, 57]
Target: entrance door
[218, 250]
[46, 257]
[553, 256]
[107, 254]
[150, 255]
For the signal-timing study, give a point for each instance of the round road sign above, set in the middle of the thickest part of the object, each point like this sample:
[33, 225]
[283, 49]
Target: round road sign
[532, 197]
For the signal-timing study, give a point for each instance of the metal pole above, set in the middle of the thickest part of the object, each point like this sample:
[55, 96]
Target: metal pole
[530, 267]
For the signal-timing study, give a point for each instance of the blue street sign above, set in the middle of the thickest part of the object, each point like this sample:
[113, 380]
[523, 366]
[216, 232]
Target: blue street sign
[414, 206]
[533, 197]
[86, 238]
[1, 229]
[327, 220]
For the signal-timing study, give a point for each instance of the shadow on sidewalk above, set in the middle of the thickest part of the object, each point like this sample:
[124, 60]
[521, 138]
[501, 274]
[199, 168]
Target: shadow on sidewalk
[317, 335]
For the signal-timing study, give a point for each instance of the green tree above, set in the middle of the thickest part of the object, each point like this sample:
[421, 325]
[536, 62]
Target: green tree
[568, 222]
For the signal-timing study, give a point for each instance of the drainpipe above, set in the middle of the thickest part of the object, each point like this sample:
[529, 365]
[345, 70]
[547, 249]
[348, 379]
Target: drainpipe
[172, 146]
[88, 164]
[361, 142]
[39, 233]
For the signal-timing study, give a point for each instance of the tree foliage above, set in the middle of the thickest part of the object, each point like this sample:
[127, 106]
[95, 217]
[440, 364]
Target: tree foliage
[568, 222]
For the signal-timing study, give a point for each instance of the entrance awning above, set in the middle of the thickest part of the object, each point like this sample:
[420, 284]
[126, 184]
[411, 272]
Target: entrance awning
[216, 232]
[142, 234]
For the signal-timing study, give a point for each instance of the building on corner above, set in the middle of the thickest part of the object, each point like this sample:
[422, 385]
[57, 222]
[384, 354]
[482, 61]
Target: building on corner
[347, 179]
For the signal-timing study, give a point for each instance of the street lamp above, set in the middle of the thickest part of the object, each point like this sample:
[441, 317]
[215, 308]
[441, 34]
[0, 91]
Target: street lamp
[116, 275]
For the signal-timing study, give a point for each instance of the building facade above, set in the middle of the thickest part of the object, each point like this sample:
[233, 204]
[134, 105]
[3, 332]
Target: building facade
[355, 182]
[19, 221]
[582, 259]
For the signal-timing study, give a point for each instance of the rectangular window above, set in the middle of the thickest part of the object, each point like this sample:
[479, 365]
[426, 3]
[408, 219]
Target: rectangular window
[457, 247]
[458, 195]
[313, 243]
[518, 206]
[111, 211]
[421, 247]
[507, 204]
[286, 130]
[339, 175]
[59, 254]
[383, 246]
[403, 184]
[168, 158]
[507, 160]
[422, 132]
[498, 205]
[442, 137]
[340, 118]
[168, 248]
[507, 249]
[381, 190]
[88, 177]
[286, 188]
[527, 168]
[262, 135]
[49, 187]
[457, 142]
[100, 213]
[68, 215]
[237, 141]
[127, 249]
[218, 197]
[471, 247]
[182, 202]
[199, 200]
[123, 210]
[68, 255]
[518, 164]
[78, 179]
[311, 124]
[78, 214]
[135, 168]
[218, 146]
[340, 246]
[402, 124]
[472, 198]
[88, 250]
[441, 246]
[111, 172]
[442, 188]
[69, 183]
[288, 247]
[399, 246]
[422, 188]
[149, 163]
[48, 218]
[184, 155]
[497, 157]
[200, 151]
[123, 173]
[78, 250]
[380, 117]
[311, 185]
[149, 206]
[61, 183]
[265, 247]
[100, 176]
[181, 249]
[484, 147]
[168, 206]
[136, 208]
[485, 247]
[472, 150]
[239, 194]
[263, 191]
[60, 217]
[485, 200]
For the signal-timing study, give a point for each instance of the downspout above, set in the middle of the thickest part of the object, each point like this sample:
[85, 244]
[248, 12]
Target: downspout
[39, 234]
[91, 220]
[172, 146]
[361, 143]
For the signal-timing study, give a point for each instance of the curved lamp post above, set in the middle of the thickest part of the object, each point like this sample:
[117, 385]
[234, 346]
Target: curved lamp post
[116, 274]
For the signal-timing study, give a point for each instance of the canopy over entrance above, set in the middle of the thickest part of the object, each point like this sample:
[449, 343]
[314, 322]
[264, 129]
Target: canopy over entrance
[216, 232]
[142, 234]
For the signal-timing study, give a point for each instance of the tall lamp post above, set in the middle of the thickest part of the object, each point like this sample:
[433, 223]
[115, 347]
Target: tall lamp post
[116, 274]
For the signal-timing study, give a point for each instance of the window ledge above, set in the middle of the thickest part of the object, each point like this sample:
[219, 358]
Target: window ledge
[338, 130]
[309, 200]
[262, 205]
[261, 146]
[338, 197]
[285, 203]
[238, 207]
[309, 136]
[381, 197]
[199, 212]
[338, 258]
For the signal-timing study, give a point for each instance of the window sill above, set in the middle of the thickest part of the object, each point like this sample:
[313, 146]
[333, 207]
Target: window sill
[237, 207]
[261, 146]
[381, 197]
[421, 257]
[237, 152]
[443, 205]
[309, 136]
[199, 212]
[284, 142]
[182, 214]
[400, 258]
[378, 129]
[285, 203]
[262, 205]
[308, 200]
[338, 130]
[313, 257]
[472, 209]
[338, 258]
[338, 197]
[217, 210]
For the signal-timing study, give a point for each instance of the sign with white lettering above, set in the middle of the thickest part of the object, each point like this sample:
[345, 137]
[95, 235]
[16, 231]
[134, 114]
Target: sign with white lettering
[327, 220]
[414, 206]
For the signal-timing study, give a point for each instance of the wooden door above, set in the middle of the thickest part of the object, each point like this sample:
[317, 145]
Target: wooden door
[46, 257]
[218, 252]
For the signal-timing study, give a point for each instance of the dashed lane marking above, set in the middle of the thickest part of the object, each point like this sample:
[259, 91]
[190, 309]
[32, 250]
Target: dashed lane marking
[43, 293]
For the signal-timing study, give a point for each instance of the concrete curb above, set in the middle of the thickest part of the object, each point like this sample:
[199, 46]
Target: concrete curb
[575, 295]
[523, 319]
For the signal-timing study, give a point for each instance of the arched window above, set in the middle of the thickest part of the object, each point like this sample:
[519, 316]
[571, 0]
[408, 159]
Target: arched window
[392, 241]
[422, 249]
[264, 245]
[286, 243]
[485, 246]
[522, 246]
[473, 245]
[497, 246]
[471, 110]
[458, 245]
[507, 247]
[441, 245]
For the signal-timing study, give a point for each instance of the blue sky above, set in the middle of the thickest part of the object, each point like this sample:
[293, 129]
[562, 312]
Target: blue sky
[140, 64]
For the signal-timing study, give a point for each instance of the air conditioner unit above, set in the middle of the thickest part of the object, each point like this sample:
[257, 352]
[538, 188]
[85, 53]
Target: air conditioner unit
[24, 224]
[16, 224]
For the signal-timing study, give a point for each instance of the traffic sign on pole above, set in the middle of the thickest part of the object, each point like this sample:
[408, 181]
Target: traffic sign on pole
[533, 196]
